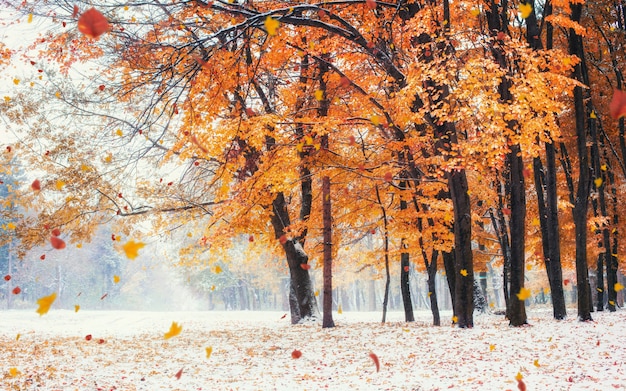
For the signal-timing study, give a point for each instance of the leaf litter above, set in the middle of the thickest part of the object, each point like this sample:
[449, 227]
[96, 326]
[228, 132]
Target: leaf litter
[254, 351]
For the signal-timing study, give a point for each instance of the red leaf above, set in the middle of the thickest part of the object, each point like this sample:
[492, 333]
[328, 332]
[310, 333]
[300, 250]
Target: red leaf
[101, 341]
[373, 231]
[251, 238]
[296, 353]
[250, 112]
[521, 385]
[374, 358]
[88, 337]
[7, 278]
[179, 373]
[344, 82]
[56, 232]
[75, 12]
[36, 185]
[92, 23]
[284, 316]
[282, 239]
[506, 211]
[617, 108]
[16, 290]
[305, 266]
[42, 257]
[101, 87]
[388, 177]
[112, 236]
[406, 269]
[565, 281]
[351, 140]
[57, 243]
[371, 4]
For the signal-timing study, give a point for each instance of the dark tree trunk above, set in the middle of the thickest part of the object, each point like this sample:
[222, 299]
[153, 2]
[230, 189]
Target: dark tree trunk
[301, 294]
[448, 264]
[517, 315]
[386, 254]
[432, 288]
[327, 320]
[581, 205]
[405, 288]
[463, 256]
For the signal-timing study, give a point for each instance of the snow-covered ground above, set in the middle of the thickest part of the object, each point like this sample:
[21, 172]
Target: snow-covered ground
[253, 351]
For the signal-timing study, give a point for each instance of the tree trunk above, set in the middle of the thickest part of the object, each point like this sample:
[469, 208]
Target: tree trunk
[448, 264]
[582, 194]
[301, 295]
[327, 306]
[432, 288]
[405, 288]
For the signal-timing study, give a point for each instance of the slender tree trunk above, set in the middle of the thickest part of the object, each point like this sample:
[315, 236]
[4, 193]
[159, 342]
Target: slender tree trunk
[432, 288]
[448, 264]
[405, 269]
[581, 205]
[327, 320]
[386, 254]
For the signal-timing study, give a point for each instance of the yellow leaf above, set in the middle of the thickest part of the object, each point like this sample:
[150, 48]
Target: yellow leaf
[519, 376]
[218, 269]
[317, 293]
[529, 267]
[593, 114]
[119, 132]
[45, 303]
[618, 287]
[525, 9]
[131, 248]
[209, 350]
[17, 337]
[30, 18]
[492, 347]
[375, 120]
[300, 147]
[611, 302]
[429, 293]
[108, 158]
[79, 245]
[10, 226]
[475, 11]
[7, 98]
[13, 372]
[535, 222]
[536, 363]
[464, 272]
[16, 81]
[116, 279]
[76, 308]
[175, 329]
[339, 309]
[319, 95]
[308, 140]
[59, 185]
[523, 294]
[603, 167]
[598, 182]
[455, 319]
[212, 287]
[271, 25]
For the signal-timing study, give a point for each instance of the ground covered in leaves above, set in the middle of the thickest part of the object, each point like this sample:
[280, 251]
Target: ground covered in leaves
[117, 350]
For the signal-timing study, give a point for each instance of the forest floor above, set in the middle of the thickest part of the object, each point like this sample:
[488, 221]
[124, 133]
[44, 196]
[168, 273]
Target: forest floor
[117, 350]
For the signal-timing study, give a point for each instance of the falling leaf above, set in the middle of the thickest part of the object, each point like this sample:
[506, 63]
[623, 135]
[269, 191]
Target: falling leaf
[271, 25]
[92, 23]
[17, 337]
[296, 354]
[36, 185]
[525, 9]
[455, 319]
[492, 347]
[88, 337]
[523, 294]
[536, 363]
[17, 290]
[56, 232]
[116, 279]
[59, 184]
[374, 358]
[388, 177]
[375, 120]
[604, 167]
[319, 95]
[209, 350]
[57, 242]
[617, 108]
[475, 11]
[618, 287]
[7, 278]
[13, 372]
[45, 303]
[371, 4]
[305, 266]
[593, 114]
[131, 248]
[30, 18]
[218, 269]
[104, 296]
[119, 132]
[597, 182]
[179, 374]
[339, 309]
[282, 239]
[464, 272]
[521, 385]
[175, 329]
[76, 308]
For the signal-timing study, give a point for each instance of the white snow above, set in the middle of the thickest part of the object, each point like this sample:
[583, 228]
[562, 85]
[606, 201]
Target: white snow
[252, 351]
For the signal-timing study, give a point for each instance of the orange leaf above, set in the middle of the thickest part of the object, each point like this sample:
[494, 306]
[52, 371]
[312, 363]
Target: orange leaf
[92, 23]
[305, 266]
[175, 329]
[617, 108]
[57, 243]
[374, 358]
[45, 303]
